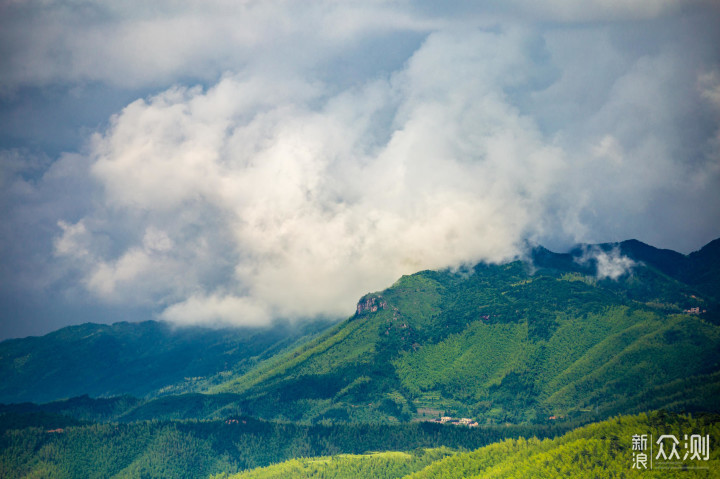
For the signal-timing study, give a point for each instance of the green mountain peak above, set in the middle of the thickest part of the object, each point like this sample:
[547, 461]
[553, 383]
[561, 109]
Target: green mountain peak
[515, 342]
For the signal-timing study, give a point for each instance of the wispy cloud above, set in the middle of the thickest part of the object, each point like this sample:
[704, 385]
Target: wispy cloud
[610, 264]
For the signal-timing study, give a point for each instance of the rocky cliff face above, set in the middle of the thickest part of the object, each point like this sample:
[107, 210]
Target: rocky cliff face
[370, 304]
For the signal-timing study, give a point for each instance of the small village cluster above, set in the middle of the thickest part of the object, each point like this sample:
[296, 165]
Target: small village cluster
[235, 421]
[463, 421]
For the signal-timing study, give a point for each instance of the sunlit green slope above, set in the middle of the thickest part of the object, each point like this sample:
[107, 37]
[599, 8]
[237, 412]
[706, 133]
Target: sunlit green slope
[602, 449]
[599, 450]
[377, 465]
[519, 342]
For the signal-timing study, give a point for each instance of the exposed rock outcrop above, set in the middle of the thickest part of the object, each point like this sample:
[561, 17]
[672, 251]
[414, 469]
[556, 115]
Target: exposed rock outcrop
[370, 304]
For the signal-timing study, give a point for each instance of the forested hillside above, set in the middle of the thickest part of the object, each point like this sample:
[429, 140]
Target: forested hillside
[511, 358]
[520, 342]
[42, 445]
[599, 450]
[140, 359]
[523, 342]
[603, 449]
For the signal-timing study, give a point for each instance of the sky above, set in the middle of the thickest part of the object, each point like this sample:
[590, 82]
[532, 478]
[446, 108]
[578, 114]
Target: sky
[233, 162]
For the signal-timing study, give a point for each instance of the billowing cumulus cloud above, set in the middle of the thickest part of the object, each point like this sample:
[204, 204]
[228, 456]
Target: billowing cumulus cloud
[317, 199]
[293, 158]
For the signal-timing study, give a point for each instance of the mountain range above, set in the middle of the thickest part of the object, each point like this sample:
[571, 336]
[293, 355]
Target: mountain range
[542, 336]
[516, 342]
[141, 359]
[542, 344]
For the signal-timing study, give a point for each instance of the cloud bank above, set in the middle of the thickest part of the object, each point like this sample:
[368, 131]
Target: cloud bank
[300, 201]
[279, 187]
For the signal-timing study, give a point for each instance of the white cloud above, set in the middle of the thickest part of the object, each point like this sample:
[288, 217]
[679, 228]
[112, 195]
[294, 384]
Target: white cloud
[217, 310]
[709, 85]
[320, 204]
[609, 264]
[131, 45]
[277, 191]
[610, 149]
[74, 240]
